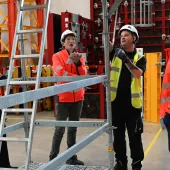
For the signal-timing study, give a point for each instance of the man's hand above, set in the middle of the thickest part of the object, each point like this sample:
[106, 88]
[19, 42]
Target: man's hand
[111, 46]
[75, 57]
[139, 126]
[135, 71]
[4, 76]
[121, 54]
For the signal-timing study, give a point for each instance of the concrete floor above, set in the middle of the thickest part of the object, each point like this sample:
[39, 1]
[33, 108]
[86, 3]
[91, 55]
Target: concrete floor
[95, 154]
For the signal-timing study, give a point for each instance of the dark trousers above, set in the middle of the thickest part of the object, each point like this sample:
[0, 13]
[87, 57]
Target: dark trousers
[130, 119]
[168, 129]
[4, 157]
[72, 111]
[167, 124]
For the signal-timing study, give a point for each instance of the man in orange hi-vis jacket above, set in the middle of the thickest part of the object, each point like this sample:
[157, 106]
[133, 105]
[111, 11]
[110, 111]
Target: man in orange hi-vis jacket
[165, 97]
[67, 62]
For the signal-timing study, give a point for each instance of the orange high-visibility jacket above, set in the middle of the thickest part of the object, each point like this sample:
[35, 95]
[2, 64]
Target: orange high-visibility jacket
[63, 67]
[165, 93]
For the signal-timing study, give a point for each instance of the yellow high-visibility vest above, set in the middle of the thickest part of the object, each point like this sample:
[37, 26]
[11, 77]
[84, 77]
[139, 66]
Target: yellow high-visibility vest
[136, 87]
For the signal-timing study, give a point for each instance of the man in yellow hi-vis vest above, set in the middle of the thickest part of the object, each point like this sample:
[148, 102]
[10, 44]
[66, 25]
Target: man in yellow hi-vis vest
[127, 67]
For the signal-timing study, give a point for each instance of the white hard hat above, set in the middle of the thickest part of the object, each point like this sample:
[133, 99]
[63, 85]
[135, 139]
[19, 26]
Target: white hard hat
[65, 33]
[130, 28]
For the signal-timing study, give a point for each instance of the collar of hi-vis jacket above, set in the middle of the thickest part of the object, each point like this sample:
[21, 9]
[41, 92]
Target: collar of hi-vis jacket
[74, 50]
[137, 56]
[66, 52]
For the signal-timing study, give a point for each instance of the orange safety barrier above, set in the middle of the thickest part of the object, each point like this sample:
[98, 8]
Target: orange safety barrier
[31, 71]
[15, 89]
[47, 102]
[152, 87]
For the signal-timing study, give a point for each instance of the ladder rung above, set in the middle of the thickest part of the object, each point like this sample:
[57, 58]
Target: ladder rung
[21, 82]
[22, 39]
[30, 31]
[18, 110]
[14, 139]
[27, 56]
[32, 7]
[7, 168]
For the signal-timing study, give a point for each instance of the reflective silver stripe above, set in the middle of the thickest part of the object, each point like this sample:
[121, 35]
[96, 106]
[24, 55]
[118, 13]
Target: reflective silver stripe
[167, 99]
[65, 73]
[165, 86]
[136, 162]
[58, 68]
[136, 95]
[115, 69]
[113, 89]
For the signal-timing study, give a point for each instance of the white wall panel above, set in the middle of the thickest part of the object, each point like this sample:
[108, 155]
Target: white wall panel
[81, 7]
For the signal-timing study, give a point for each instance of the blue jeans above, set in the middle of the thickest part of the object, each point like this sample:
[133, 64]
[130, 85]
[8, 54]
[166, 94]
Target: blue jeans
[166, 120]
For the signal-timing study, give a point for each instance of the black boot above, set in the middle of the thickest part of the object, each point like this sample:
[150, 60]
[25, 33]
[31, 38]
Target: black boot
[74, 161]
[136, 165]
[12, 167]
[120, 166]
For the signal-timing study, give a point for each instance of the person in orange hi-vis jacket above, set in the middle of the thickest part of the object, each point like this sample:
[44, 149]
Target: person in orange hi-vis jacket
[69, 105]
[165, 98]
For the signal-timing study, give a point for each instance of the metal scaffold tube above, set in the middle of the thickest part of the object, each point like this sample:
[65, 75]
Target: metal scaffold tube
[145, 13]
[115, 25]
[107, 72]
[133, 14]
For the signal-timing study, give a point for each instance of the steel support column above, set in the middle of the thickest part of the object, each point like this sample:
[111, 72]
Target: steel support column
[40, 18]
[50, 39]
[106, 35]
[163, 27]
[11, 22]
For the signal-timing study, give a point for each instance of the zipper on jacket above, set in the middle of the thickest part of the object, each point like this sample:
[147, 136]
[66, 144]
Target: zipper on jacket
[74, 96]
[73, 90]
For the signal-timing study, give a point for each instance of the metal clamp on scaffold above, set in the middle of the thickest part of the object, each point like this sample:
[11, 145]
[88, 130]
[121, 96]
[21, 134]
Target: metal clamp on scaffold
[110, 129]
[164, 36]
[105, 84]
[160, 64]
[114, 8]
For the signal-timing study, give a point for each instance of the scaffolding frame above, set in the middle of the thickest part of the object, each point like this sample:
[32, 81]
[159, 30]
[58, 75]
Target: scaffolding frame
[4, 46]
[8, 26]
[145, 13]
[74, 83]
